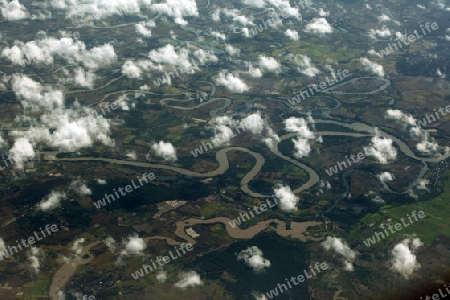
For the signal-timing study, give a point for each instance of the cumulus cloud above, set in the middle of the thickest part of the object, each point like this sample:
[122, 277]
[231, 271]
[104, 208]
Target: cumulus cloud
[205, 56]
[292, 34]
[161, 276]
[35, 256]
[384, 32]
[223, 132]
[404, 260]
[165, 150]
[44, 49]
[13, 10]
[81, 11]
[21, 152]
[426, 143]
[372, 67]
[288, 200]
[233, 51]
[282, 5]
[73, 129]
[422, 184]
[84, 78]
[301, 143]
[234, 84]
[67, 129]
[80, 188]
[33, 95]
[253, 257]
[381, 149]
[254, 123]
[341, 247]
[178, 9]
[135, 245]
[319, 25]
[76, 247]
[169, 56]
[269, 63]
[300, 126]
[143, 28]
[386, 176]
[52, 200]
[189, 279]
[304, 65]
[398, 115]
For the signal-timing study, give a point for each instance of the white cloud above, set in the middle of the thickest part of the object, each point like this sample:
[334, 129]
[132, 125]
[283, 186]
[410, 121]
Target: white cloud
[292, 34]
[21, 152]
[301, 144]
[300, 126]
[188, 279]
[13, 10]
[404, 260]
[83, 78]
[233, 51]
[269, 63]
[341, 247]
[35, 255]
[52, 200]
[287, 198]
[384, 32]
[319, 25]
[372, 67]
[178, 9]
[143, 28]
[77, 248]
[234, 84]
[398, 115]
[382, 149]
[205, 56]
[253, 257]
[44, 49]
[33, 95]
[283, 5]
[386, 176]
[254, 123]
[161, 276]
[426, 144]
[165, 150]
[135, 245]
[81, 11]
[304, 65]
[80, 188]
[168, 55]
[131, 70]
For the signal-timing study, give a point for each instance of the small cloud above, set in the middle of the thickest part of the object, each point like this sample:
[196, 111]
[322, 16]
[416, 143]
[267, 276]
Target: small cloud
[253, 257]
[53, 200]
[165, 150]
[189, 279]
